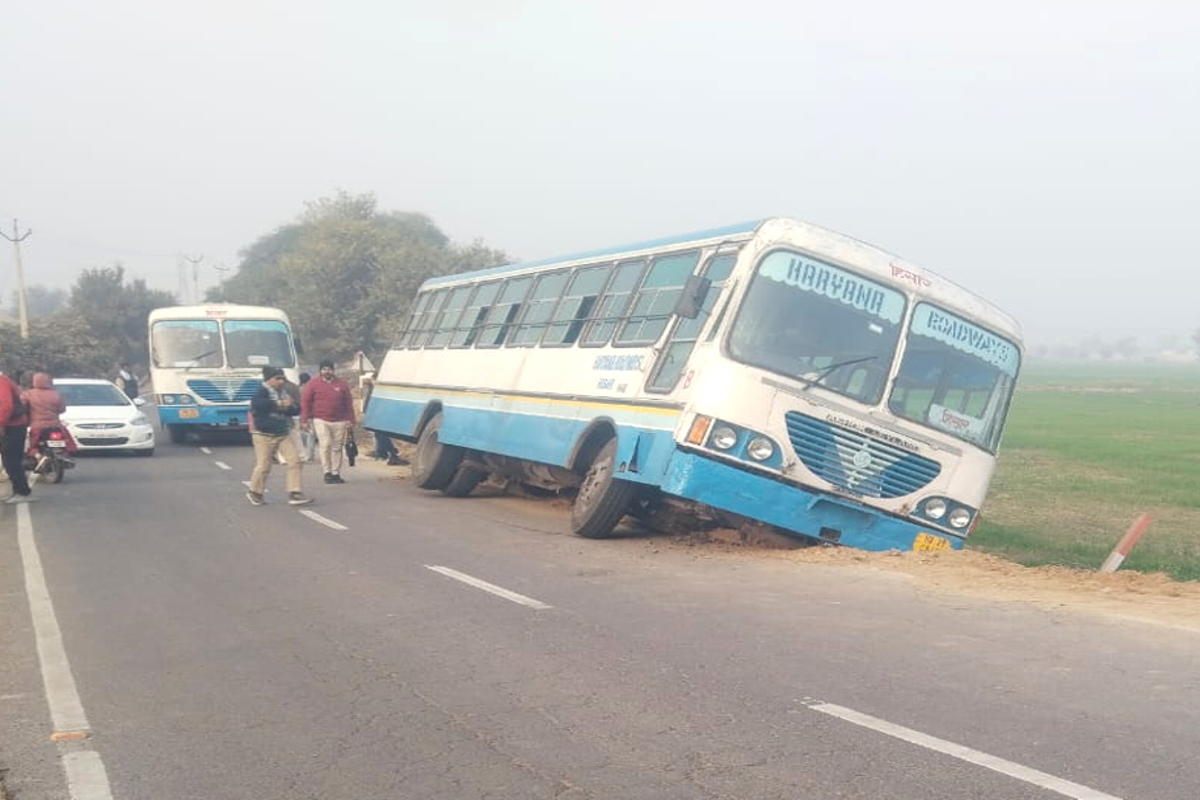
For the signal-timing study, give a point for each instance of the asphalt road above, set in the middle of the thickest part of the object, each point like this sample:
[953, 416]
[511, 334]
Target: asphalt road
[398, 644]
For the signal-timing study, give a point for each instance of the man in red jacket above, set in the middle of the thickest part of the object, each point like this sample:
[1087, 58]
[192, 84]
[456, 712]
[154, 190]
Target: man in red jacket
[327, 407]
[15, 421]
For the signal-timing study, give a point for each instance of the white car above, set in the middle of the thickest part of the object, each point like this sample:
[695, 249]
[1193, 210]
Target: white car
[101, 417]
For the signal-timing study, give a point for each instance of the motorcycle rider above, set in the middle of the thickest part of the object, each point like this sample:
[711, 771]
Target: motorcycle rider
[45, 404]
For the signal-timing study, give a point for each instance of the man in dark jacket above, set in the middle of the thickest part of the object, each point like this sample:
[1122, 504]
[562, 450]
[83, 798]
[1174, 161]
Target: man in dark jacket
[15, 423]
[271, 411]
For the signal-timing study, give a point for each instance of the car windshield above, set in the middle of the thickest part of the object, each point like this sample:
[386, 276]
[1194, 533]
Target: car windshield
[820, 325]
[92, 394]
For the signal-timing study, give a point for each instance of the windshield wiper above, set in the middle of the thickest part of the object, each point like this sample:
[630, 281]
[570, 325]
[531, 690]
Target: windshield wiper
[825, 372]
[195, 359]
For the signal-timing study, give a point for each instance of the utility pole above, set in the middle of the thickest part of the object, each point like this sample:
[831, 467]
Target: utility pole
[24, 310]
[195, 276]
[221, 268]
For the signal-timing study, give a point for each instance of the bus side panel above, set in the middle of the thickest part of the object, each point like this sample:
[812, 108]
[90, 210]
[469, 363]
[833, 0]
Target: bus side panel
[395, 410]
[790, 507]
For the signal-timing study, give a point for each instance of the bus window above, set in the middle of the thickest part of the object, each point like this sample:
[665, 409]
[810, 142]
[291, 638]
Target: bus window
[502, 315]
[576, 306]
[445, 322]
[674, 357]
[611, 308]
[418, 329]
[538, 310]
[258, 343]
[474, 314]
[186, 343]
[656, 298]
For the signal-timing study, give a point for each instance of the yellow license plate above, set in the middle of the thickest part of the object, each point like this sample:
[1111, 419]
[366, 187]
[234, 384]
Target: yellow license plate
[927, 541]
[194, 413]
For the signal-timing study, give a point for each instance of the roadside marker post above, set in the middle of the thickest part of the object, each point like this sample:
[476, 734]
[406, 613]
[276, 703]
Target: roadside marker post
[1117, 556]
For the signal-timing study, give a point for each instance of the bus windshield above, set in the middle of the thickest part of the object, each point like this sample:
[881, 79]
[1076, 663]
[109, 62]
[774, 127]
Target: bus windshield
[955, 377]
[258, 343]
[186, 343]
[191, 343]
[819, 324]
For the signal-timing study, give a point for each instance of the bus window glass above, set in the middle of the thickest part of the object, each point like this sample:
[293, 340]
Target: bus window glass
[656, 299]
[417, 327]
[447, 319]
[674, 358]
[474, 314]
[186, 343]
[504, 313]
[577, 305]
[539, 308]
[614, 301]
[258, 343]
[955, 376]
[810, 320]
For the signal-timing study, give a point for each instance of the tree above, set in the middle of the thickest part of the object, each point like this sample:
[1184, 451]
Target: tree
[41, 301]
[346, 272]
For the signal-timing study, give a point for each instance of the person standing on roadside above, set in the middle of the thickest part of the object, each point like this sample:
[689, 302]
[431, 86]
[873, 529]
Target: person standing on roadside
[14, 420]
[273, 409]
[129, 381]
[308, 437]
[327, 406]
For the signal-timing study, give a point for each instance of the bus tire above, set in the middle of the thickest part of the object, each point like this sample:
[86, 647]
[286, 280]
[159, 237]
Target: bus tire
[434, 463]
[464, 482]
[602, 499]
[177, 434]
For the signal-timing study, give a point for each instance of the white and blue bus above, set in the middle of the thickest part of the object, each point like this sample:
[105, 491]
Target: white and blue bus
[771, 372]
[206, 363]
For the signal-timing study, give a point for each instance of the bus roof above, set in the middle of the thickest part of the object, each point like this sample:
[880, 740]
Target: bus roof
[739, 229]
[217, 311]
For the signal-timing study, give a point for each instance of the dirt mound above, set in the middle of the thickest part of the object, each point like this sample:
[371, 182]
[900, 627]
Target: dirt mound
[1152, 598]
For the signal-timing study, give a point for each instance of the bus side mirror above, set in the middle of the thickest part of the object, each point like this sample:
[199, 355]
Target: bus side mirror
[691, 302]
[299, 345]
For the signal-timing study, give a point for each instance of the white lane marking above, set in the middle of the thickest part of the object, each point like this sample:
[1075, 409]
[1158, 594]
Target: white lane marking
[326, 521]
[206, 450]
[986, 760]
[489, 587]
[222, 465]
[86, 777]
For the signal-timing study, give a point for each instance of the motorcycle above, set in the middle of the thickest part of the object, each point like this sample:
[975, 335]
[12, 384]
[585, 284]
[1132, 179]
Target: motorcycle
[50, 458]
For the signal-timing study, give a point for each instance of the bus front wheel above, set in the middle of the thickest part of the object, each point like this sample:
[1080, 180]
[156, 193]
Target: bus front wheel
[177, 433]
[434, 463]
[602, 499]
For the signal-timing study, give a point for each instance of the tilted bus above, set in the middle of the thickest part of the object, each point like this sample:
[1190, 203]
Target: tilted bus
[772, 371]
[206, 363]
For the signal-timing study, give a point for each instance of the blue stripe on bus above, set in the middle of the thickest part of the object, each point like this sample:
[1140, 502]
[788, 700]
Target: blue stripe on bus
[728, 230]
[790, 507]
[543, 430]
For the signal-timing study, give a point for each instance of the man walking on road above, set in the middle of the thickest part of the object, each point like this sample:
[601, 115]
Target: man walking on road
[272, 410]
[14, 424]
[327, 407]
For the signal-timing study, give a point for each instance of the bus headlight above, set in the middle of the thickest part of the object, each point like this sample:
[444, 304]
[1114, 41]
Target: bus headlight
[935, 508]
[760, 448]
[959, 518]
[723, 437]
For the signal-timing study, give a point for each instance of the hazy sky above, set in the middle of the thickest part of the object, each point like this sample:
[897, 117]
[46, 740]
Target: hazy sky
[1045, 154]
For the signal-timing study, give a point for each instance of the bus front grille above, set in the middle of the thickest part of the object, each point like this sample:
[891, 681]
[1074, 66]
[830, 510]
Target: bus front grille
[856, 461]
[224, 390]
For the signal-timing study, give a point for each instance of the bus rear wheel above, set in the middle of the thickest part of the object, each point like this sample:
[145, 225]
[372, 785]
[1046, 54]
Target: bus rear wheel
[464, 481]
[602, 499]
[434, 463]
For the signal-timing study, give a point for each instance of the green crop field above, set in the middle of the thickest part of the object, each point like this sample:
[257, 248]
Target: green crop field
[1088, 448]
